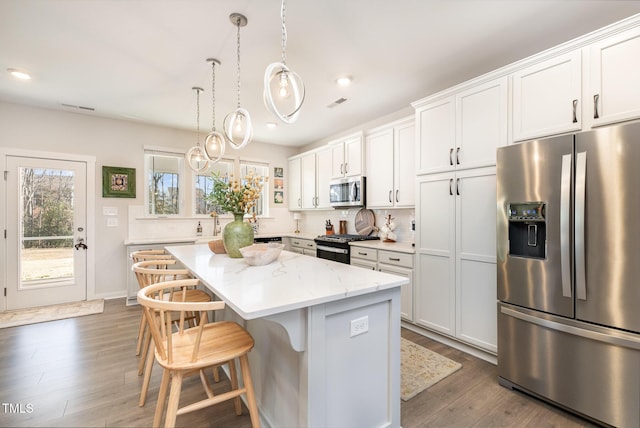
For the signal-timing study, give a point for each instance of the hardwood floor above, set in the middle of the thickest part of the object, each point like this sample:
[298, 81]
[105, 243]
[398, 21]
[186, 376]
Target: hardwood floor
[82, 372]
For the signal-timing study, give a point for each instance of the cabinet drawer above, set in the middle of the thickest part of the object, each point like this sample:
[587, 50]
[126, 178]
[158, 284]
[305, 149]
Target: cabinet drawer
[396, 259]
[364, 253]
[307, 244]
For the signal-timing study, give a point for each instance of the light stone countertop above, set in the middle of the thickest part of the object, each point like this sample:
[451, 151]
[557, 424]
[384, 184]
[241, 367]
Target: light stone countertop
[293, 281]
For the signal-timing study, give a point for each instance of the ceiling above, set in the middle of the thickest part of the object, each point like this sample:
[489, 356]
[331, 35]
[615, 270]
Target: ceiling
[138, 59]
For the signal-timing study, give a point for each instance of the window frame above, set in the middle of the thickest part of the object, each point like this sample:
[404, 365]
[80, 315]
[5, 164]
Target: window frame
[170, 153]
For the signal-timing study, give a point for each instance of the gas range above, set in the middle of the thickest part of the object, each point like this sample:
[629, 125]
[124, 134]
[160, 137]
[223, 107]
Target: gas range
[336, 247]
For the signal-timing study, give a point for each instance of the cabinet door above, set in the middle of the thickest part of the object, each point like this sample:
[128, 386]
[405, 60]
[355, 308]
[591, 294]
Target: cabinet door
[481, 124]
[615, 87]
[380, 166]
[295, 184]
[546, 97]
[435, 243]
[353, 156]
[406, 292]
[437, 139]
[404, 165]
[308, 166]
[323, 177]
[337, 159]
[476, 298]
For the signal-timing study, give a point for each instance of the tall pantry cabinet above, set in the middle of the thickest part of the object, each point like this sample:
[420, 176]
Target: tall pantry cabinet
[455, 209]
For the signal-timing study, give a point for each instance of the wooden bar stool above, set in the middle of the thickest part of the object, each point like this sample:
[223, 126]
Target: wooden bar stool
[150, 272]
[207, 345]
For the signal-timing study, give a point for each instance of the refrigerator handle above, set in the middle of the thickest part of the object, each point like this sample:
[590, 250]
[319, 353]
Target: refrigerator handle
[565, 228]
[581, 189]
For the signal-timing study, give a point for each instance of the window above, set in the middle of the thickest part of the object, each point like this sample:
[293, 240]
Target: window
[163, 183]
[261, 169]
[204, 185]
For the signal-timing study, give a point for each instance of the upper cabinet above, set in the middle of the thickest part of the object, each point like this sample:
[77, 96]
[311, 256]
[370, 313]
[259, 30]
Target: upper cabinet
[390, 165]
[309, 176]
[346, 155]
[295, 183]
[463, 130]
[546, 97]
[615, 85]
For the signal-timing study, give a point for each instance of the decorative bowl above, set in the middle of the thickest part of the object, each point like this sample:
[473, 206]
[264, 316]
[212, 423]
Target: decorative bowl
[217, 247]
[261, 254]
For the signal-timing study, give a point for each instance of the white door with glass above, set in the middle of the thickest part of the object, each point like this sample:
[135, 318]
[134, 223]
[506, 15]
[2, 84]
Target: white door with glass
[46, 232]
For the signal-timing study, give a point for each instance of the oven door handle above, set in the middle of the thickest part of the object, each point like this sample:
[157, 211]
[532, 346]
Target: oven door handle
[332, 249]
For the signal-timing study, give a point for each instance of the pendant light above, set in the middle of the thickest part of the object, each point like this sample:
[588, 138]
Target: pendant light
[237, 124]
[283, 88]
[196, 157]
[214, 144]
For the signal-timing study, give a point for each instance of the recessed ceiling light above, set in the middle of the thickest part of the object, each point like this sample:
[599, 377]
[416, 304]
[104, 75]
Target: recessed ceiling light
[271, 125]
[19, 74]
[344, 80]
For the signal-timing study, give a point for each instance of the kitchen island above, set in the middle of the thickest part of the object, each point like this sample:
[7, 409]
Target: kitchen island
[327, 336]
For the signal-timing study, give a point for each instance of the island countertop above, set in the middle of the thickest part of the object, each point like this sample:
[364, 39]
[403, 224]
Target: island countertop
[293, 281]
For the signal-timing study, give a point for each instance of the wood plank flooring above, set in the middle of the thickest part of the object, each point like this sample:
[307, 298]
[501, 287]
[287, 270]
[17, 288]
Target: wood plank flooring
[82, 372]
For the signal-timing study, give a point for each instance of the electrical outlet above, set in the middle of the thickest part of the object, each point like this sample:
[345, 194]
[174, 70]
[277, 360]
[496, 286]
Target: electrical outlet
[359, 326]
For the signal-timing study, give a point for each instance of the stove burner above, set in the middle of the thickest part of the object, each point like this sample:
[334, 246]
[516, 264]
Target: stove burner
[345, 238]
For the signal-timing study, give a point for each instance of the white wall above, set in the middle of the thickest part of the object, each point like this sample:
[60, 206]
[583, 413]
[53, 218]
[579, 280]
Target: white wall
[114, 143]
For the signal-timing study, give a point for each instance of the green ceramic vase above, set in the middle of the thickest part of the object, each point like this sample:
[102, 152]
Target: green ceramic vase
[237, 234]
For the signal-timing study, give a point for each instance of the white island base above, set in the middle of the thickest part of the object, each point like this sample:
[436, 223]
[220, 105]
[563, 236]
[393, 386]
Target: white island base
[327, 336]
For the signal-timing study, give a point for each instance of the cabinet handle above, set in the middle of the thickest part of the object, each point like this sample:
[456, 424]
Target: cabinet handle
[451, 156]
[341, 169]
[390, 200]
[393, 259]
[346, 167]
[458, 156]
[362, 254]
[458, 186]
[310, 245]
[596, 98]
[575, 108]
[300, 202]
[397, 195]
[450, 184]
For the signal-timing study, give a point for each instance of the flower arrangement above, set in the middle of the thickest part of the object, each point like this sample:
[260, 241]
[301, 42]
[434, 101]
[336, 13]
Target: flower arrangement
[234, 196]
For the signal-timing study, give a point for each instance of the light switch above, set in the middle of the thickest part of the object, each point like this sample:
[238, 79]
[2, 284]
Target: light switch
[112, 222]
[109, 210]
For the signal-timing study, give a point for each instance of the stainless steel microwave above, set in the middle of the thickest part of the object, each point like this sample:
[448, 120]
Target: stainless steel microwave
[347, 192]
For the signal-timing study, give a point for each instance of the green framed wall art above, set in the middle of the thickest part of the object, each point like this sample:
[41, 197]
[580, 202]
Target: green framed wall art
[118, 182]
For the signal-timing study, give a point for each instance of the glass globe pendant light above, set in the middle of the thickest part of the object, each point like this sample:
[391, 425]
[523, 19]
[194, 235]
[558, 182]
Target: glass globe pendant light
[283, 88]
[237, 127]
[196, 157]
[214, 144]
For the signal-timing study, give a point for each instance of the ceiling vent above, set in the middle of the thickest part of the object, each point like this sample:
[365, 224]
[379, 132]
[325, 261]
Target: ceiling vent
[337, 102]
[78, 107]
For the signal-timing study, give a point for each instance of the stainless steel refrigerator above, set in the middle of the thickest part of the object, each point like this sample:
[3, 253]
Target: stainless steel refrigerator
[568, 260]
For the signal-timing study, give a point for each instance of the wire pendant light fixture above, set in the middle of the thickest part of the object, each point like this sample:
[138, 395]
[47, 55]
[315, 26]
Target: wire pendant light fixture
[214, 144]
[237, 127]
[196, 157]
[283, 89]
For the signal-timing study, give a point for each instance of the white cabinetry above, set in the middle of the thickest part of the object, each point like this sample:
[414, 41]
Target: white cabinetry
[390, 165]
[295, 183]
[456, 293]
[464, 129]
[303, 246]
[314, 168]
[395, 262]
[615, 86]
[546, 97]
[346, 156]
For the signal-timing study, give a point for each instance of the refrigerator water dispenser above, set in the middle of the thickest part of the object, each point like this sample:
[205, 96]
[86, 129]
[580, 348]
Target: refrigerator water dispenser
[527, 229]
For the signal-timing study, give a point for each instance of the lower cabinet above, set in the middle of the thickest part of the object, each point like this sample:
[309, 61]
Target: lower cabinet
[393, 262]
[303, 246]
